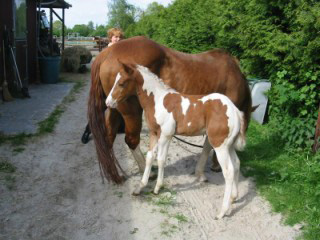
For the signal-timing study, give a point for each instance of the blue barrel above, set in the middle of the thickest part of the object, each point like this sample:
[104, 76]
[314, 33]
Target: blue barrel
[49, 69]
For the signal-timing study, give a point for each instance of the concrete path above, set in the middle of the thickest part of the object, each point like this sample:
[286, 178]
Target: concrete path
[23, 115]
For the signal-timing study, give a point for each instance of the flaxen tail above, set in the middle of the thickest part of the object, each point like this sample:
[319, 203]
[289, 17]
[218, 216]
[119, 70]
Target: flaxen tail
[240, 141]
[109, 165]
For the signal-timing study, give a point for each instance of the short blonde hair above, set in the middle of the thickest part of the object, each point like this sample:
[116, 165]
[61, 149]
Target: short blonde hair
[114, 32]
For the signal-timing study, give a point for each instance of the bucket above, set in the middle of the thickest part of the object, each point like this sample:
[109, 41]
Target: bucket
[49, 69]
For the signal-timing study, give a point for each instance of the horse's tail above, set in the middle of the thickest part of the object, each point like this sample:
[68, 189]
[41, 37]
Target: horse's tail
[96, 107]
[240, 141]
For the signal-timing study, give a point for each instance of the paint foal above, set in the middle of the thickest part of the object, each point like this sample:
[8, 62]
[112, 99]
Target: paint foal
[168, 113]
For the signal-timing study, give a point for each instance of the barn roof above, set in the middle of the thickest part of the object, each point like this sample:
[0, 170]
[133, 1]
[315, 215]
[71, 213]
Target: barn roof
[53, 4]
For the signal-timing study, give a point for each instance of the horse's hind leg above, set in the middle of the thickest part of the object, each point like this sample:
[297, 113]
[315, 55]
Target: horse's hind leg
[201, 163]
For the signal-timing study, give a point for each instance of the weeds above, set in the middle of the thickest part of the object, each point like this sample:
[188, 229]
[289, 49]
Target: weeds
[165, 202]
[287, 178]
[19, 149]
[6, 167]
[6, 170]
[118, 194]
[168, 229]
[135, 230]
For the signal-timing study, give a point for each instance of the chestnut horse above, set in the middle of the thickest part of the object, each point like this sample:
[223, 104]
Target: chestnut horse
[168, 113]
[203, 73]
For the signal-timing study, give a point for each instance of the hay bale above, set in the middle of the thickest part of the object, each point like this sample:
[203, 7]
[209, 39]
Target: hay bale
[73, 58]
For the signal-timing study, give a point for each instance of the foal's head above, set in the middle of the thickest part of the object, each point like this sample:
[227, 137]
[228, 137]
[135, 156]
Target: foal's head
[124, 85]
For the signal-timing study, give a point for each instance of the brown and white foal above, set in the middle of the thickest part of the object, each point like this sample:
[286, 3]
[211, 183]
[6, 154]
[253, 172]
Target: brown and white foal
[168, 112]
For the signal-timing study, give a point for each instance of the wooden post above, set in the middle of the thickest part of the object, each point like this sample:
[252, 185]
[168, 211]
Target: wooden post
[51, 35]
[62, 29]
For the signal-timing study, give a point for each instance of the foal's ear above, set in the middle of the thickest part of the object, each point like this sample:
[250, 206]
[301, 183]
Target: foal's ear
[126, 67]
[253, 108]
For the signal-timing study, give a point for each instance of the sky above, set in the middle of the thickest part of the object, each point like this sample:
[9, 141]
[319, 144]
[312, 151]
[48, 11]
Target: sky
[83, 11]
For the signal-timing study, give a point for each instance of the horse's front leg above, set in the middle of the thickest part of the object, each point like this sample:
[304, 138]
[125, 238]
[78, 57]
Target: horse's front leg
[149, 159]
[112, 122]
[131, 112]
[163, 145]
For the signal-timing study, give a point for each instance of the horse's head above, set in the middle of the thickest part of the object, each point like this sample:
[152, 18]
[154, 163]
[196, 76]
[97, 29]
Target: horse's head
[124, 85]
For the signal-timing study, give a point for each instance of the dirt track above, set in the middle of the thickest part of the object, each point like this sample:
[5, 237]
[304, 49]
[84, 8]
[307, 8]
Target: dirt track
[59, 194]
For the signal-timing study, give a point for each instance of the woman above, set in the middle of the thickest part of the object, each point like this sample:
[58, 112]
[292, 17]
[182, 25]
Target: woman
[114, 35]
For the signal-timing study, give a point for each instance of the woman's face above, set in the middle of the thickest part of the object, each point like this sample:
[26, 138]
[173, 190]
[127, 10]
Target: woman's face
[115, 39]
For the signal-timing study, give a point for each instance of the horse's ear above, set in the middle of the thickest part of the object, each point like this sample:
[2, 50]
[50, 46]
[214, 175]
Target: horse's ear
[126, 67]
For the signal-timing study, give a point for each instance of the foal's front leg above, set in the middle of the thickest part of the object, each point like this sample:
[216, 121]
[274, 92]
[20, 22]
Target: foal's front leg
[149, 159]
[163, 145]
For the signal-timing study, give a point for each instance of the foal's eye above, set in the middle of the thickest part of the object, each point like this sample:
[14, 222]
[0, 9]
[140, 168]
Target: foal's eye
[122, 84]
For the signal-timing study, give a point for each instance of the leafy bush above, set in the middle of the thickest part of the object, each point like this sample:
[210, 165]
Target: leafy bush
[278, 40]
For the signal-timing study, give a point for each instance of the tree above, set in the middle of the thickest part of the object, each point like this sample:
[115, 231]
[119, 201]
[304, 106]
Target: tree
[100, 31]
[90, 26]
[57, 28]
[82, 29]
[121, 14]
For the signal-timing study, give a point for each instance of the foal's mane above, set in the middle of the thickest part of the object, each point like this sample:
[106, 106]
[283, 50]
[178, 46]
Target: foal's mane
[147, 75]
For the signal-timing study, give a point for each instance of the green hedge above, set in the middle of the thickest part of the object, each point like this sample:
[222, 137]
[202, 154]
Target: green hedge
[278, 40]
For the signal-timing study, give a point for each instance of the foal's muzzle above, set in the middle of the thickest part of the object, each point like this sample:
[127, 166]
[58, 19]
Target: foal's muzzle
[110, 102]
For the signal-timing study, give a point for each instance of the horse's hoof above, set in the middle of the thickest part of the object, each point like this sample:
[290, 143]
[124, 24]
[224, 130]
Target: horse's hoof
[216, 168]
[202, 178]
[136, 192]
[153, 176]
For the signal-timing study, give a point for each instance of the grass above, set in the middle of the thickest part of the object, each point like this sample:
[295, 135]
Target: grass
[287, 178]
[6, 171]
[6, 167]
[165, 203]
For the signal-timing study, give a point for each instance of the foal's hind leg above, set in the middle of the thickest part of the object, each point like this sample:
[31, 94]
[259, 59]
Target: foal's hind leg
[201, 163]
[236, 162]
[227, 166]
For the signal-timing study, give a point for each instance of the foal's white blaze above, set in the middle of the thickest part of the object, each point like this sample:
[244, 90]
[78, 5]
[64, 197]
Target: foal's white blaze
[110, 102]
[152, 84]
[185, 103]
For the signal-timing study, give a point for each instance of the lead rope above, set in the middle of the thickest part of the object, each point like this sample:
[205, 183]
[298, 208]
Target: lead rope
[191, 144]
